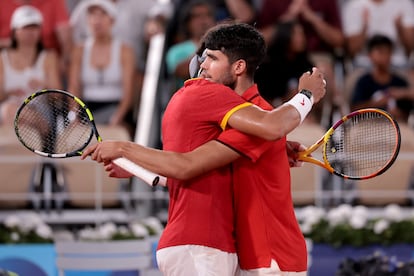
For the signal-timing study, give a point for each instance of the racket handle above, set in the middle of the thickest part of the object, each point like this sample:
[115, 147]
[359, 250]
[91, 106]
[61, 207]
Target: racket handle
[149, 177]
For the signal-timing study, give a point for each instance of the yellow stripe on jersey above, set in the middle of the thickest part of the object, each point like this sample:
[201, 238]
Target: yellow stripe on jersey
[226, 118]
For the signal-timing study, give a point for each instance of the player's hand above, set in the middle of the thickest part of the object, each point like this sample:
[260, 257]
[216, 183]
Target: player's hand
[292, 150]
[115, 171]
[88, 151]
[103, 151]
[313, 81]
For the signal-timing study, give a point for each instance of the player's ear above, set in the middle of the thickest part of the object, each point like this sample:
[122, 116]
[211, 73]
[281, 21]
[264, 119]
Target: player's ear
[239, 66]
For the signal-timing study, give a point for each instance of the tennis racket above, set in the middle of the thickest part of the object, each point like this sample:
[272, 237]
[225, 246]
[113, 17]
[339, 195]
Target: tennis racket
[54, 123]
[362, 145]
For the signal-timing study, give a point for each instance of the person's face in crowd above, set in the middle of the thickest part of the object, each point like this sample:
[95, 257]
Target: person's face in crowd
[298, 40]
[28, 35]
[381, 57]
[201, 20]
[217, 68]
[100, 23]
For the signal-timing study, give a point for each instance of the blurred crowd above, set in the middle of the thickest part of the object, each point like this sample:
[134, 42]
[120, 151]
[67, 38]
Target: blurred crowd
[96, 49]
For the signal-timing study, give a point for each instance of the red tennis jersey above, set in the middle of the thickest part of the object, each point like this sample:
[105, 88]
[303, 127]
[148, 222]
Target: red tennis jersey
[266, 225]
[201, 209]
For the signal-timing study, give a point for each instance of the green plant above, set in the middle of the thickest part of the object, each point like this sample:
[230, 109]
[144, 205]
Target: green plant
[27, 228]
[355, 226]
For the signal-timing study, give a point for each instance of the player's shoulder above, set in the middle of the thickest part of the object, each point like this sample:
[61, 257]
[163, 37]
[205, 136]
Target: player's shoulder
[203, 89]
[205, 84]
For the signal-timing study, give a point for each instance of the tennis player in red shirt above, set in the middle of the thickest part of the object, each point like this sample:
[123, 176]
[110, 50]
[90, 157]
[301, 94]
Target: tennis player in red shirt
[198, 239]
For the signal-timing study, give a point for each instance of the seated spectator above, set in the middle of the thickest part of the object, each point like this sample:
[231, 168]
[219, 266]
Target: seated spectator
[363, 19]
[25, 67]
[196, 18]
[287, 59]
[321, 20]
[56, 33]
[381, 87]
[237, 10]
[102, 68]
[129, 27]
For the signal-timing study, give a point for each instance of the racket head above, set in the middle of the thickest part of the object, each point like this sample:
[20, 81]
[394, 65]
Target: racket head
[54, 123]
[362, 145]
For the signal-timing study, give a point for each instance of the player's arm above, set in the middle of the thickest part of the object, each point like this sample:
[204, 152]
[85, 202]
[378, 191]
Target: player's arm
[267, 125]
[182, 166]
[275, 124]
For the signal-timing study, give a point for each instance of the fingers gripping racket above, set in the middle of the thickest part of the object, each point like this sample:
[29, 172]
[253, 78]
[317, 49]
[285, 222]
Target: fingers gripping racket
[362, 145]
[56, 124]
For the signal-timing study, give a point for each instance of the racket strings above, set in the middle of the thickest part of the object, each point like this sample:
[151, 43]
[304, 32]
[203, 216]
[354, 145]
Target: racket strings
[363, 145]
[53, 123]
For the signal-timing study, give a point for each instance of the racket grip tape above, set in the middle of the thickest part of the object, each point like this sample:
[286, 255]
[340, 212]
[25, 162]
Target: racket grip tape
[147, 176]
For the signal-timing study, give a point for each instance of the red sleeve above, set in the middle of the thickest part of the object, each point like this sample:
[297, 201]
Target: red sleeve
[250, 146]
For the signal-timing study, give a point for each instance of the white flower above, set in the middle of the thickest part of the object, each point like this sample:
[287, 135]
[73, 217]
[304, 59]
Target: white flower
[338, 215]
[15, 236]
[380, 226]
[139, 230]
[88, 233]
[393, 212]
[123, 230]
[29, 222]
[361, 211]
[154, 223]
[44, 231]
[358, 221]
[107, 230]
[359, 217]
[12, 221]
[63, 235]
[345, 210]
[306, 228]
[410, 214]
[311, 215]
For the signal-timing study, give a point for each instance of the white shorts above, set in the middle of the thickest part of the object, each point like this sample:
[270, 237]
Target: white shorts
[196, 260]
[273, 270]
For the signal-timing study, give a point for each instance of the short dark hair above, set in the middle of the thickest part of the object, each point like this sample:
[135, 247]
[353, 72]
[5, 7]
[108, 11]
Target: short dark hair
[378, 40]
[236, 41]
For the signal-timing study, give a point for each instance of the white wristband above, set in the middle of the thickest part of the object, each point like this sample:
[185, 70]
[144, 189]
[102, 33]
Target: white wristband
[302, 104]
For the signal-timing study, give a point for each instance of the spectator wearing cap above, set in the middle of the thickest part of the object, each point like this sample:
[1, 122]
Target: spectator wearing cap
[25, 66]
[102, 67]
[55, 33]
[130, 28]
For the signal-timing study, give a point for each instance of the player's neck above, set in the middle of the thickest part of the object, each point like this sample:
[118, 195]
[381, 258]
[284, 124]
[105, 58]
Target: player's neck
[242, 85]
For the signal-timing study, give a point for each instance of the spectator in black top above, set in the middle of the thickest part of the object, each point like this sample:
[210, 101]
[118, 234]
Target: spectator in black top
[381, 87]
[287, 59]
